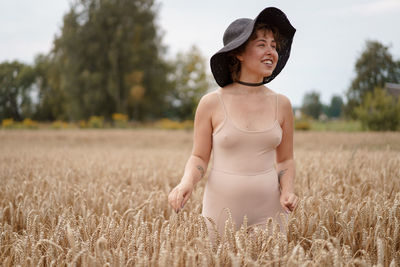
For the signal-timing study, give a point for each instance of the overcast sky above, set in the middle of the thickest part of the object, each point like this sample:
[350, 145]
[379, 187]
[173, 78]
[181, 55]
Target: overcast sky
[330, 34]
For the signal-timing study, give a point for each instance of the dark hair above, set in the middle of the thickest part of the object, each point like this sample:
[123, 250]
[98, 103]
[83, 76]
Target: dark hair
[234, 63]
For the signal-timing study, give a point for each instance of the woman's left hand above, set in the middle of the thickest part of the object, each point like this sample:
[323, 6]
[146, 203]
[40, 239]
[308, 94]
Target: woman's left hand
[288, 201]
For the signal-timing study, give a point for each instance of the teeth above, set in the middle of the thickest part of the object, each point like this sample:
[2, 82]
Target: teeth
[268, 61]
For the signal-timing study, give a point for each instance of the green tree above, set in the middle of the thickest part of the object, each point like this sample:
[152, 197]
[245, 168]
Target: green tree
[16, 80]
[312, 105]
[374, 67]
[51, 99]
[103, 44]
[335, 107]
[189, 80]
[379, 111]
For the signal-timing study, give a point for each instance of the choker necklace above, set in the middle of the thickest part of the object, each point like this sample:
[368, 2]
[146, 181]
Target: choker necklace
[250, 84]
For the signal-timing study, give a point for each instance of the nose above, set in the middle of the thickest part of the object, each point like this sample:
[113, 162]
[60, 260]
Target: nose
[268, 50]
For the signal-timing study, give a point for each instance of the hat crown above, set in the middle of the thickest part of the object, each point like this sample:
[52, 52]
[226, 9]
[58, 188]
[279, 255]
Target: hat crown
[239, 31]
[235, 29]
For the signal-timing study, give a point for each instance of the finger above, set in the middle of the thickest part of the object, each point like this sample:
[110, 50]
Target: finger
[294, 203]
[172, 191]
[285, 208]
[185, 199]
[171, 194]
[174, 200]
[294, 199]
[288, 199]
[171, 200]
[291, 200]
[178, 202]
[289, 206]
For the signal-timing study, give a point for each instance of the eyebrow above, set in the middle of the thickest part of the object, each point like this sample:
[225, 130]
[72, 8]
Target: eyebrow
[264, 40]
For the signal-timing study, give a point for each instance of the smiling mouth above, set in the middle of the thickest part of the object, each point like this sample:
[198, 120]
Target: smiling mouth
[267, 62]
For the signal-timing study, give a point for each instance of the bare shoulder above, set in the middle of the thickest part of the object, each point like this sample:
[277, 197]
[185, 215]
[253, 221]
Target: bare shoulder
[204, 120]
[208, 102]
[285, 110]
[210, 97]
[284, 101]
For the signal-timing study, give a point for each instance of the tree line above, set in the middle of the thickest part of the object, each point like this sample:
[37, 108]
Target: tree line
[367, 98]
[109, 58]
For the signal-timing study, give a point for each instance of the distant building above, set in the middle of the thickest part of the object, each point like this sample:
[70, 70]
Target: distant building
[322, 117]
[393, 89]
[297, 113]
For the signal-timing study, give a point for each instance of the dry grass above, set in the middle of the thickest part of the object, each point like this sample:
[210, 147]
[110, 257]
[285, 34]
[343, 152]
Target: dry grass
[90, 197]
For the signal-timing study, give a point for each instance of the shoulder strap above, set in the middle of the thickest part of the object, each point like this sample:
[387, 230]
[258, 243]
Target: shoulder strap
[276, 102]
[222, 102]
[276, 112]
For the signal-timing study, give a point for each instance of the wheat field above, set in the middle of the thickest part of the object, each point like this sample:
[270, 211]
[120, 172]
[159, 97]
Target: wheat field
[99, 198]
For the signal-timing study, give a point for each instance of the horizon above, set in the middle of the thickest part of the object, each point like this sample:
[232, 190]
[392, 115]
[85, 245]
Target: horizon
[339, 29]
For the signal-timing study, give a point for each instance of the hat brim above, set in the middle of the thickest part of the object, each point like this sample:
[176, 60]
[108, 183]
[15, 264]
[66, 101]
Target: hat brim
[271, 16]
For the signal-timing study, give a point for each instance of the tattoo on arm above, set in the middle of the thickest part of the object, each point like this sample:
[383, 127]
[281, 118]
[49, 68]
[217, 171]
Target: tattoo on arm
[201, 170]
[280, 174]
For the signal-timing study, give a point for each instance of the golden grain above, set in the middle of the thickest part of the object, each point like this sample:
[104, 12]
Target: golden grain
[90, 198]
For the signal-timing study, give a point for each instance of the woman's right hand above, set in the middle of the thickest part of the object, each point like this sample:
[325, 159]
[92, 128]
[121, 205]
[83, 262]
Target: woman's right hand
[179, 195]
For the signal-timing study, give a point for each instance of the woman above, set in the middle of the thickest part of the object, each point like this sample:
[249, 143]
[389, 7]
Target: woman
[247, 126]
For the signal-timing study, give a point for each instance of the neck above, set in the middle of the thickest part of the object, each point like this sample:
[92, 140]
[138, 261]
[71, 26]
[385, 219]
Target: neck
[250, 79]
[250, 84]
[247, 90]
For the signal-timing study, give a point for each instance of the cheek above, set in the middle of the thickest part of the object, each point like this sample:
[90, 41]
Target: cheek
[255, 53]
[275, 55]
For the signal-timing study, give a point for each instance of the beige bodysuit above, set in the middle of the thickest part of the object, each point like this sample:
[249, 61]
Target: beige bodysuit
[243, 176]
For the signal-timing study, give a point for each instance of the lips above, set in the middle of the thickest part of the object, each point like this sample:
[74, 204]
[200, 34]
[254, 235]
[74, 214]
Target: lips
[268, 62]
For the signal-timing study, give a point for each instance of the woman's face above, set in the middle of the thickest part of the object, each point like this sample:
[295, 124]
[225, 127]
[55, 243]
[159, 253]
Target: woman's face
[260, 57]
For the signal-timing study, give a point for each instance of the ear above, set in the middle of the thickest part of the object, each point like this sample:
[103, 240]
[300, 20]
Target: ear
[239, 57]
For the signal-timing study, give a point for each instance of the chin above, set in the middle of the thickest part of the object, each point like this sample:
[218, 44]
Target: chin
[267, 74]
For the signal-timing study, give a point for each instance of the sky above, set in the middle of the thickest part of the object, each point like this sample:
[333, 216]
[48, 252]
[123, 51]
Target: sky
[330, 35]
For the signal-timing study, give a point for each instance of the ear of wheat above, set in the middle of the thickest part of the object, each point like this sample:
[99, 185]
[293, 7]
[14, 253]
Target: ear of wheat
[100, 198]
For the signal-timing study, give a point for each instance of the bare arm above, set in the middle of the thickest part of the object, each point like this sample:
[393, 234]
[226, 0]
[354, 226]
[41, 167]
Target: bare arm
[197, 163]
[195, 169]
[284, 156]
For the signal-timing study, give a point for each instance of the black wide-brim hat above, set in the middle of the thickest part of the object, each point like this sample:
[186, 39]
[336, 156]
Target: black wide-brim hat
[239, 31]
